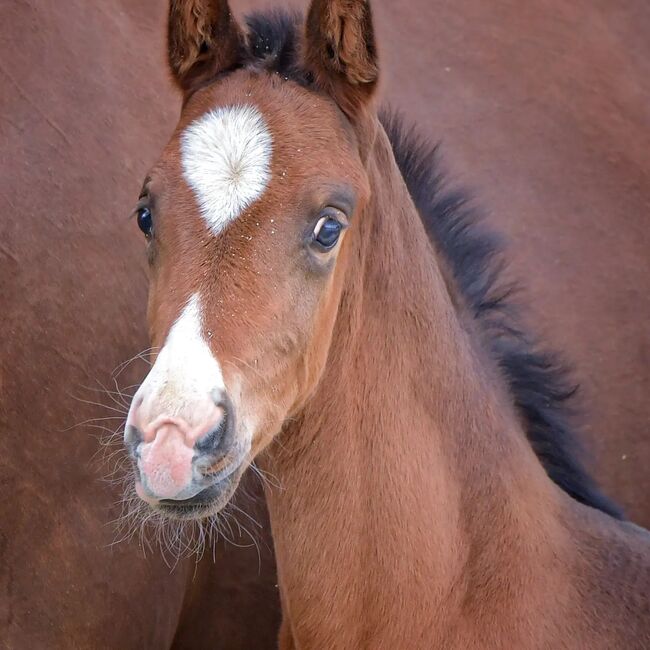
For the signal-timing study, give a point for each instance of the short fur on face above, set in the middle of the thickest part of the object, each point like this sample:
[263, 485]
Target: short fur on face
[236, 197]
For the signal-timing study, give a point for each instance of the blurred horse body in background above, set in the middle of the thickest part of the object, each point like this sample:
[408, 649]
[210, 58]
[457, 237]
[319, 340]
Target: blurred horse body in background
[542, 109]
[85, 105]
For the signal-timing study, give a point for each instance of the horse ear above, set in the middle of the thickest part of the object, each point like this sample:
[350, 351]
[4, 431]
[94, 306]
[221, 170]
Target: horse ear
[204, 39]
[340, 51]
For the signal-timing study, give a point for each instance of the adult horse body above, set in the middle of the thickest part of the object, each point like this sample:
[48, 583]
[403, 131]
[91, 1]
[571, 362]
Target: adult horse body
[428, 495]
[544, 109]
[71, 310]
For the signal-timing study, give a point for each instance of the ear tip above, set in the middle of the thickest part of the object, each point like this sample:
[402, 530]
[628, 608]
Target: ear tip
[203, 38]
[340, 49]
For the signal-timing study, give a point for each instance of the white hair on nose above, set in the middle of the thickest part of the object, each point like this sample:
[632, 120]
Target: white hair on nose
[185, 371]
[226, 157]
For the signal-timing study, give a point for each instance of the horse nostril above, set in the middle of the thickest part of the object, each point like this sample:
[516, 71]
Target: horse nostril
[211, 440]
[132, 437]
[214, 440]
[220, 437]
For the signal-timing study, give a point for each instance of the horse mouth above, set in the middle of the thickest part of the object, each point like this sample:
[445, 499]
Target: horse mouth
[206, 503]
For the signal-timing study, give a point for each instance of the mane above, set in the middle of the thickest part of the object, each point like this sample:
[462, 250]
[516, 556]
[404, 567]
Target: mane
[538, 382]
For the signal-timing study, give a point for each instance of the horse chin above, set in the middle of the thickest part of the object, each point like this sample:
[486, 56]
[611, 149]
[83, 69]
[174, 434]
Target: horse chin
[207, 503]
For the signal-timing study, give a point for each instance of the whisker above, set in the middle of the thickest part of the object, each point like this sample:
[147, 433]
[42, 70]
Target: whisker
[139, 356]
[266, 478]
[122, 411]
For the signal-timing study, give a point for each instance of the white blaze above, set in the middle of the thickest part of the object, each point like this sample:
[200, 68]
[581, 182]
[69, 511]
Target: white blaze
[226, 158]
[185, 372]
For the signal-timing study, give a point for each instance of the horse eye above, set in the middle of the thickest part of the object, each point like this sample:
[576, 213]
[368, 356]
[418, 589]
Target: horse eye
[145, 221]
[327, 232]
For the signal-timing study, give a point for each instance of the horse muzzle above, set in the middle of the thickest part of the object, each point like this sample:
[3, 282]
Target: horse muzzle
[178, 462]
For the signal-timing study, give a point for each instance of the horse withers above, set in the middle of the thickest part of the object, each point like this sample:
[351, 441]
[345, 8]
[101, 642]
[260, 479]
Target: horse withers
[320, 307]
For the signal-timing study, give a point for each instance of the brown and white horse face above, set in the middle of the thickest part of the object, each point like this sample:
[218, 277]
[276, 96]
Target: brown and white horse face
[247, 215]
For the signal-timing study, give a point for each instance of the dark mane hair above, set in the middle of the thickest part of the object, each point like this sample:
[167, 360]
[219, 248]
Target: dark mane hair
[538, 382]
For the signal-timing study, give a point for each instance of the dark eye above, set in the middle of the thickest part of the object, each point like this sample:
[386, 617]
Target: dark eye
[145, 222]
[327, 232]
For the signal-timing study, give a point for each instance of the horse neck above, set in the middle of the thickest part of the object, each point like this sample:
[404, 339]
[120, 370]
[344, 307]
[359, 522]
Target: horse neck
[408, 470]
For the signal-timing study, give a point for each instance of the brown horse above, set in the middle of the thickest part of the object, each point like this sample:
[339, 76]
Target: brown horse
[530, 139]
[429, 492]
[71, 98]
[544, 109]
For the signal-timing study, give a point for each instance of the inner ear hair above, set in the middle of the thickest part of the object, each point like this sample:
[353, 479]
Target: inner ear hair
[204, 39]
[340, 51]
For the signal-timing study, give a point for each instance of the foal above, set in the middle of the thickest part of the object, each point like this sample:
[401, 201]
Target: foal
[296, 295]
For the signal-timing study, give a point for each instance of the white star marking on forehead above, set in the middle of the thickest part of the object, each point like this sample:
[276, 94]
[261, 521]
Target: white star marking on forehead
[226, 158]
